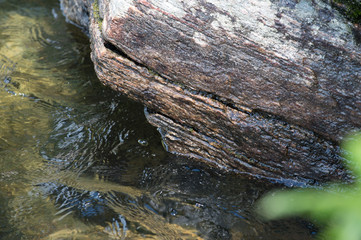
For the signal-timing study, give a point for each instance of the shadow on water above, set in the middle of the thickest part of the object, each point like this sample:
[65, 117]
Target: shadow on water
[78, 160]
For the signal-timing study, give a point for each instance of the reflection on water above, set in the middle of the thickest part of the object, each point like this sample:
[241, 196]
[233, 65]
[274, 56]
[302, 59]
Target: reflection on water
[79, 161]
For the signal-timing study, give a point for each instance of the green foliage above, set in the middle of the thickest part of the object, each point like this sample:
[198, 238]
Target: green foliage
[337, 207]
[349, 8]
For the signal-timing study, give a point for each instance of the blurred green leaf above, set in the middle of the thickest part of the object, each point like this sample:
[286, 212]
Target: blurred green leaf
[352, 146]
[337, 207]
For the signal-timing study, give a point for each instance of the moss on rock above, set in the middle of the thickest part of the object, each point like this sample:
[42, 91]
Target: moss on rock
[96, 14]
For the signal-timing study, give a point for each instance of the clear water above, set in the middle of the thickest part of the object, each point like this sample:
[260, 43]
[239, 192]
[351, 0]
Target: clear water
[79, 161]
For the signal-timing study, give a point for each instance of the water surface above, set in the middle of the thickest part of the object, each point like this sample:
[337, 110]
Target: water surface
[79, 161]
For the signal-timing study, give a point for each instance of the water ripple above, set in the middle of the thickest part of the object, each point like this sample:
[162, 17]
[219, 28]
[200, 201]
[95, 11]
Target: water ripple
[37, 35]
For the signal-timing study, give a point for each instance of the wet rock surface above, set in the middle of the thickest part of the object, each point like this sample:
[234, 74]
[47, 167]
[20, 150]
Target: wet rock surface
[266, 88]
[77, 12]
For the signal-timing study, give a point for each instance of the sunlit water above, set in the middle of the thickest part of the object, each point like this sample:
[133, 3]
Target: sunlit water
[79, 161]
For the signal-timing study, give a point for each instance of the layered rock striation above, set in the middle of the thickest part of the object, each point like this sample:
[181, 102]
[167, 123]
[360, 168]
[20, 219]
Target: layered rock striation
[268, 88]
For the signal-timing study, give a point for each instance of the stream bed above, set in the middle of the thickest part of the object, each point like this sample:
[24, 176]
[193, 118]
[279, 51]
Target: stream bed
[80, 161]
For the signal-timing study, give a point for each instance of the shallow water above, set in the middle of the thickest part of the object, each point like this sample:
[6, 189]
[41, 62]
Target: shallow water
[79, 161]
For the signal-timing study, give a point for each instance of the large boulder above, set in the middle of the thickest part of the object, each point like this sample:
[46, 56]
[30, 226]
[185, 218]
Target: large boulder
[268, 88]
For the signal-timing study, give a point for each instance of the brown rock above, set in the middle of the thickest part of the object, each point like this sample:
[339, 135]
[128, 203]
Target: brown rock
[262, 87]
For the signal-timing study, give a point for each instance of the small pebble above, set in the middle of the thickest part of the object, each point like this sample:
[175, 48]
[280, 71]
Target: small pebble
[143, 142]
